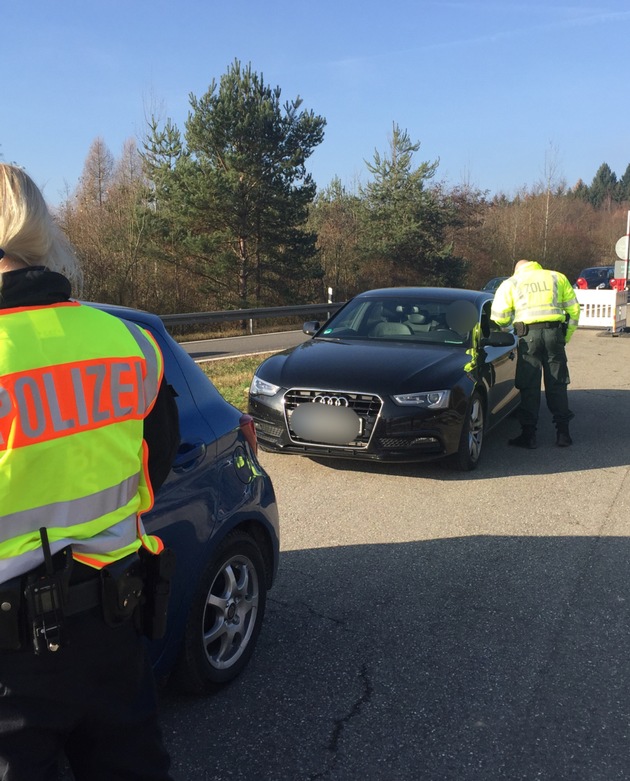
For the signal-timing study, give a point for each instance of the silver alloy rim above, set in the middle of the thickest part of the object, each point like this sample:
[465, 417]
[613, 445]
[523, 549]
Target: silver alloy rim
[230, 614]
[475, 431]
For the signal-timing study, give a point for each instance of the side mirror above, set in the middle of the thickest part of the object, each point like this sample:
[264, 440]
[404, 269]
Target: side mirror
[499, 339]
[310, 327]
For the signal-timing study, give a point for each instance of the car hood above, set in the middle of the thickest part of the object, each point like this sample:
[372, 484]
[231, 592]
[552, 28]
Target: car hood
[366, 367]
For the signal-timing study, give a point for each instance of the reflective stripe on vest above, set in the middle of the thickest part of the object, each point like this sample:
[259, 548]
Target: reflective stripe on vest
[81, 511]
[150, 351]
[72, 455]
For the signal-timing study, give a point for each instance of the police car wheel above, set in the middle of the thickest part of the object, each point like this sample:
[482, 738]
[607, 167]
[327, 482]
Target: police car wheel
[225, 617]
[471, 440]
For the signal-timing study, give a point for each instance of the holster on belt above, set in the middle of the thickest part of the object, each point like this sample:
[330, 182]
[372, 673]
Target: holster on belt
[521, 329]
[158, 570]
[122, 587]
[33, 606]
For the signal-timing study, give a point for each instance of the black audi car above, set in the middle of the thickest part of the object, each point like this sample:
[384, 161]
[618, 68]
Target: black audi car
[397, 374]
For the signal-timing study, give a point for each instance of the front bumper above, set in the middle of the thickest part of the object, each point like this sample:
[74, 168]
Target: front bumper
[395, 434]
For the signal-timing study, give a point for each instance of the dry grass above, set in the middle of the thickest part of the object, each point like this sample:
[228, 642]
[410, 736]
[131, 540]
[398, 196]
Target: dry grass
[232, 376]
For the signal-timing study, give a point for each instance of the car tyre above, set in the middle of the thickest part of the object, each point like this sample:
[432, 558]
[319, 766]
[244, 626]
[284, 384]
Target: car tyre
[471, 440]
[225, 617]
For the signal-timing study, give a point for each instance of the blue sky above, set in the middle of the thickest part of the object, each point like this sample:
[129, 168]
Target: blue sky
[499, 92]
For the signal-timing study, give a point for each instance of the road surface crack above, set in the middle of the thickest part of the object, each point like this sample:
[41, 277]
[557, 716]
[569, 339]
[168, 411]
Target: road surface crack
[341, 723]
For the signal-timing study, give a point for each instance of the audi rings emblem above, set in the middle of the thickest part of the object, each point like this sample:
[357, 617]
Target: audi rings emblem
[332, 401]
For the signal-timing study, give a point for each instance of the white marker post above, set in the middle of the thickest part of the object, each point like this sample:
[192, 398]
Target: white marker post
[622, 248]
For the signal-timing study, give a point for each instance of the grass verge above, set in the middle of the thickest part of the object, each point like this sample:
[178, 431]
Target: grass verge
[232, 376]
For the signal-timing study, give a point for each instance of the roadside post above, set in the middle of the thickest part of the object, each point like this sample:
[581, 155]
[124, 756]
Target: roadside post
[622, 248]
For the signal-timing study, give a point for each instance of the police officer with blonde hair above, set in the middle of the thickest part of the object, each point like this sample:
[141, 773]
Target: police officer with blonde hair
[88, 432]
[543, 308]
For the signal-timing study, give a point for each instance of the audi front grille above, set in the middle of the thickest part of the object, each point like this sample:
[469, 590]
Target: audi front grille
[366, 405]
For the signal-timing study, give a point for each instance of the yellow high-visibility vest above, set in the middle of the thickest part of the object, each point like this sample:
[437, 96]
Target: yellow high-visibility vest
[75, 387]
[534, 295]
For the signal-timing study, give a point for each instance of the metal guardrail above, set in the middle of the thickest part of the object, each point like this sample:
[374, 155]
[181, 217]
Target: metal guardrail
[192, 318]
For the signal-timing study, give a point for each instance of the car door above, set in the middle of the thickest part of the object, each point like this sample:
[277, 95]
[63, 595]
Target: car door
[184, 512]
[501, 361]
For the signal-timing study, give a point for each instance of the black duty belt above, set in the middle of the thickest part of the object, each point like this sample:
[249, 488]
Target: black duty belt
[545, 324]
[83, 596]
[33, 606]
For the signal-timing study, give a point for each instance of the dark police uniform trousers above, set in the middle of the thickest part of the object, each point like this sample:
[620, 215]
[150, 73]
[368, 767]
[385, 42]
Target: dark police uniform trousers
[542, 354]
[94, 700]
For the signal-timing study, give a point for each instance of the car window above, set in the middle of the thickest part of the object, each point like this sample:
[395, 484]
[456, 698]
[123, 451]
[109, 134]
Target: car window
[485, 319]
[493, 284]
[391, 319]
[602, 274]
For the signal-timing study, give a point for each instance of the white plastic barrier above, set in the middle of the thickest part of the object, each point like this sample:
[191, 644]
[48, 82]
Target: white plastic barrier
[603, 309]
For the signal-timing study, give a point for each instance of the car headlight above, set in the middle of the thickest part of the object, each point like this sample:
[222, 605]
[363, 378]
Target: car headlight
[428, 399]
[261, 387]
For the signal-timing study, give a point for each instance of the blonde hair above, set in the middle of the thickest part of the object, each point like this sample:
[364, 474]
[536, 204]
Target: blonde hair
[28, 231]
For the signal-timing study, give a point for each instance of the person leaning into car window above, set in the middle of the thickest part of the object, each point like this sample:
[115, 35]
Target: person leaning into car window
[88, 431]
[544, 309]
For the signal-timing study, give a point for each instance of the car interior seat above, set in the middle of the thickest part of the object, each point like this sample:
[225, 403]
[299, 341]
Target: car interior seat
[393, 324]
[375, 315]
[391, 329]
[419, 320]
[393, 313]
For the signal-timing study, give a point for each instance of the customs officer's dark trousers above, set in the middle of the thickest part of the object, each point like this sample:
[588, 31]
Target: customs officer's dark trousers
[542, 354]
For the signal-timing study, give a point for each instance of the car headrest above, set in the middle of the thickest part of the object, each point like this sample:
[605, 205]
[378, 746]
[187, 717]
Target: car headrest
[418, 316]
[391, 313]
[391, 329]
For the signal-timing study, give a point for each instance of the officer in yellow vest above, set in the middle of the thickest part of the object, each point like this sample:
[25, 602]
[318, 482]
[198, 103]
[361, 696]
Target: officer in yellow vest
[88, 432]
[542, 307]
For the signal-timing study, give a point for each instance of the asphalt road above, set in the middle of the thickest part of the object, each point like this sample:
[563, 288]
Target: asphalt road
[430, 625]
[211, 349]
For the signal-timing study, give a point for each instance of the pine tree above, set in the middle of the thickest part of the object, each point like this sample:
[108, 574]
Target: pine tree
[238, 189]
[405, 220]
[623, 189]
[581, 191]
[603, 189]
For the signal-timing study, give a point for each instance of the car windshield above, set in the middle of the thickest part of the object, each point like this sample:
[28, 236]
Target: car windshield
[601, 274]
[493, 284]
[402, 319]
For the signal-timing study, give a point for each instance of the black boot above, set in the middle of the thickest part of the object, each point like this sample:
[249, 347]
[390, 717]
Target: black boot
[563, 438]
[527, 438]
